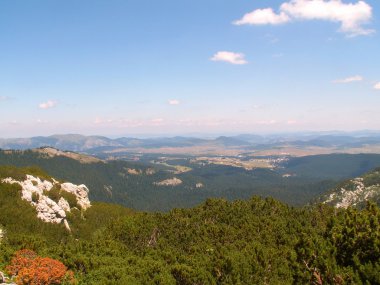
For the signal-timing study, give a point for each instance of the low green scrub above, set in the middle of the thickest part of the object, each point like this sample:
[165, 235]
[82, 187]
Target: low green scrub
[20, 173]
[258, 241]
[219, 242]
[56, 193]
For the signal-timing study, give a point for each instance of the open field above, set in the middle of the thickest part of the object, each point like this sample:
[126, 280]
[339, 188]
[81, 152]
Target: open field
[280, 150]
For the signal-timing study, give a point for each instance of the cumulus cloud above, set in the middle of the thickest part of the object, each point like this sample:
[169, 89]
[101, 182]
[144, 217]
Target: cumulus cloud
[47, 105]
[349, 79]
[263, 17]
[230, 57]
[173, 102]
[377, 86]
[351, 17]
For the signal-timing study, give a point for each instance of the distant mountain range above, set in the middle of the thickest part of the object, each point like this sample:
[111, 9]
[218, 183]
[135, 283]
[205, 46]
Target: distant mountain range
[248, 142]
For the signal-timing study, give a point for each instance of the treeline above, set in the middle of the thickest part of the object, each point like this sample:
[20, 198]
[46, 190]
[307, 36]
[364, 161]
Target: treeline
[110, 182]
[258, 241]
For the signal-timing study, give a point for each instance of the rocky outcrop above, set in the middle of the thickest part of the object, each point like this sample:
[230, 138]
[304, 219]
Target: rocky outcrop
[81, 193]
[108, 189]
[150, 171]
[64, 205]
[1, 234]
[133, 171]
[36, 192]
[352, 197]
[5, 280]
[355, 192]
[169, 182]
[48, 210]
[2, 277]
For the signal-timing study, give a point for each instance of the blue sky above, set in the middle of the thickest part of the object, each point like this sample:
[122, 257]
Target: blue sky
[178, 67]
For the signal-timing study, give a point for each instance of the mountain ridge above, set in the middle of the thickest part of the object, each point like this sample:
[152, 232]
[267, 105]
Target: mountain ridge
[82, 143]
[356, 192]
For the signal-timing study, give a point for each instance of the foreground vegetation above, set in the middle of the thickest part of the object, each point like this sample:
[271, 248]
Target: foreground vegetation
[258, 241]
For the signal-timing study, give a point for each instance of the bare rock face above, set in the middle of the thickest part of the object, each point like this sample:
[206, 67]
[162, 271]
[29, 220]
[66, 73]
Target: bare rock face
[5, 280]
[1, 235]
[150, 171]
[355, 192]
[81, 193]
[64, 204]
[32, 185]
[169, 182]
[133, 171]
[49, 211]
[36, 192]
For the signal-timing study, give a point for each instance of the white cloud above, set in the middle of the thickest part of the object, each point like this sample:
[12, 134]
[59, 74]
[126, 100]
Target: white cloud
[263, 17]
[377, 86]
[173, 102]
[3, 98]
[47, 105]
[230, 57]
[349, 79]
[351, 16]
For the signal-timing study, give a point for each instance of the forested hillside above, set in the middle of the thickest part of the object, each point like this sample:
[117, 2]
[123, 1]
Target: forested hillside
[142, 185]
[258, 241]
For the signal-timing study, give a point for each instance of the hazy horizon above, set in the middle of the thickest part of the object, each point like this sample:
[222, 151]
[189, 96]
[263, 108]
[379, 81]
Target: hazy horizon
[355, 133]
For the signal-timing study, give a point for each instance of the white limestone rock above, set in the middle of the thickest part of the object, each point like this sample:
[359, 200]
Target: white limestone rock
[358, 194]
[64, 204]
[1, 234]
[80, 192]
[169, 182]
[48, 210]
[5, 280]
